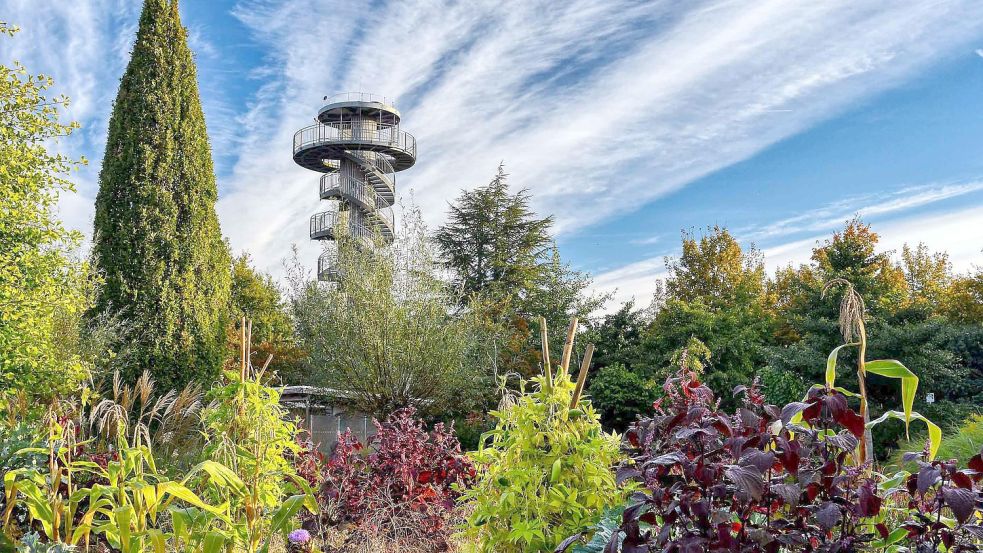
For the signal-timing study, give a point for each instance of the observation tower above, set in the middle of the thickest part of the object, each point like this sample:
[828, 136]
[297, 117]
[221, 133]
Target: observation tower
[358, 147]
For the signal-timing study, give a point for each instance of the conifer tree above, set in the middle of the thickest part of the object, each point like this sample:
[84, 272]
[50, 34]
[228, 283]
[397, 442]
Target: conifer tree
[157, 237]
[494, 242]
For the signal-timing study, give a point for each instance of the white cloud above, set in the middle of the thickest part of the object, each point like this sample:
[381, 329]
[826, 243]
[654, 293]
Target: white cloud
[596, 107]
[647, 241]
[866, 206]
[979, 52]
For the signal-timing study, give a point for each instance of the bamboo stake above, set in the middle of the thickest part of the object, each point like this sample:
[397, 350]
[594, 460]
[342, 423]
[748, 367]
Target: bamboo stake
[242, 348]
[249, 346]
[568, 346]
[582, 377]
[546, 351]
[265, 365]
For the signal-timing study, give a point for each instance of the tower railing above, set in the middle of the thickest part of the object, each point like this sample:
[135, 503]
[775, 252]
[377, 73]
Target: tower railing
[335, 185]
[326, 223]
[358, 97]
[384, 135]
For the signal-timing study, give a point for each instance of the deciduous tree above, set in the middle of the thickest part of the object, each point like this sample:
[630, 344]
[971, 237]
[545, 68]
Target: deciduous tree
[385, 335]
[42, 285]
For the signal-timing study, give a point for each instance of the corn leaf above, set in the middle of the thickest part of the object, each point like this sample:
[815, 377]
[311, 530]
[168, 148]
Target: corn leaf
[121, 518]
[909, 382]
[894, 537]
[159, 540]
[179, 491]
[831, 364]
[214, 542]
[934, 432]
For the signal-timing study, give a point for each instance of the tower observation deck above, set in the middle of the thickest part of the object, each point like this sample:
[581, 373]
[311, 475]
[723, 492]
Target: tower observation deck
[358, 147]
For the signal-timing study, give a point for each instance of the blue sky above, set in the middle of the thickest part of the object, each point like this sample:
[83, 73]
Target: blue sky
[627, 120]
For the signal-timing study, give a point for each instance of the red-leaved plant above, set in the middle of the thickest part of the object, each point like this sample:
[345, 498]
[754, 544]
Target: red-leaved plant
[938, 489]
[401, 486]
[755, 481]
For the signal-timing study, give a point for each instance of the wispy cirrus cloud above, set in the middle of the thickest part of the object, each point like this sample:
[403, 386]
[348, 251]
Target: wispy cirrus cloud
[598, 108]
[866, 206]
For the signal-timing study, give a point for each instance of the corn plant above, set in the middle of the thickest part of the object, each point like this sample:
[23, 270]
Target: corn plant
[247, 430]
[50, 493]
[854, 331]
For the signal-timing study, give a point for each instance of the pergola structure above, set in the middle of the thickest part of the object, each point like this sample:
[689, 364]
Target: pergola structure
[358, 146]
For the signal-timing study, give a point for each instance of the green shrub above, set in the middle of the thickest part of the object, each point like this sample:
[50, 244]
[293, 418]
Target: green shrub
[620, 395]
[546, 473]
[782, 387]
[42, 282]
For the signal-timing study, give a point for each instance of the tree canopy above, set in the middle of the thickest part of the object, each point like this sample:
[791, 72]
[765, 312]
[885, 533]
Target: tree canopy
[41, 283]
[493, 241]
[385, 335]
[505, 262]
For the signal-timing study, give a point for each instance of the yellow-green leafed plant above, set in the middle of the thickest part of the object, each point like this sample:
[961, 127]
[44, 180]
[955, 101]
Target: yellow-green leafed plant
[545, 470]
[122, 502]
[854, 331]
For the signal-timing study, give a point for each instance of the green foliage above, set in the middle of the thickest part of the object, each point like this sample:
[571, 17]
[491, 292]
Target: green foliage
[964, 300]
[715, 271]
[851, 254]
[131, 505]
[247, 431]
[609, 524]
[41, 284]
[715, 293]
[782, 387]
[510, 272]
[385, 334]
[71, 498]
[966, 442]
[256, 297]
[734, 335]
[620, 395]
[157, 240]
[544, 474]
[616, 337]
[493, 241]
[31, 543]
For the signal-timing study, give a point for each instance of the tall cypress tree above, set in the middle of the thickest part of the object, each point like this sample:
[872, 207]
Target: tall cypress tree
[157, 237]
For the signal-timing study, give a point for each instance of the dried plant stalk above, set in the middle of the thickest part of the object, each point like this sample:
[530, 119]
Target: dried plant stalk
[852, 327]
[546, 351]
[582, 377]
[568, 346]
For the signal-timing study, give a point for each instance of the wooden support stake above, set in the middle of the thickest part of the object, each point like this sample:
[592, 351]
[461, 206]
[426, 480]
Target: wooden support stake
[568, 346]
[242, 348]
[249, 346]
[265, 365]
[546, 352]
[582, 377]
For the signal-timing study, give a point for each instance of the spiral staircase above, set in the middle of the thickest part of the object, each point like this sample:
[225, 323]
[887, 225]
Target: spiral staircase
[358, 146]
